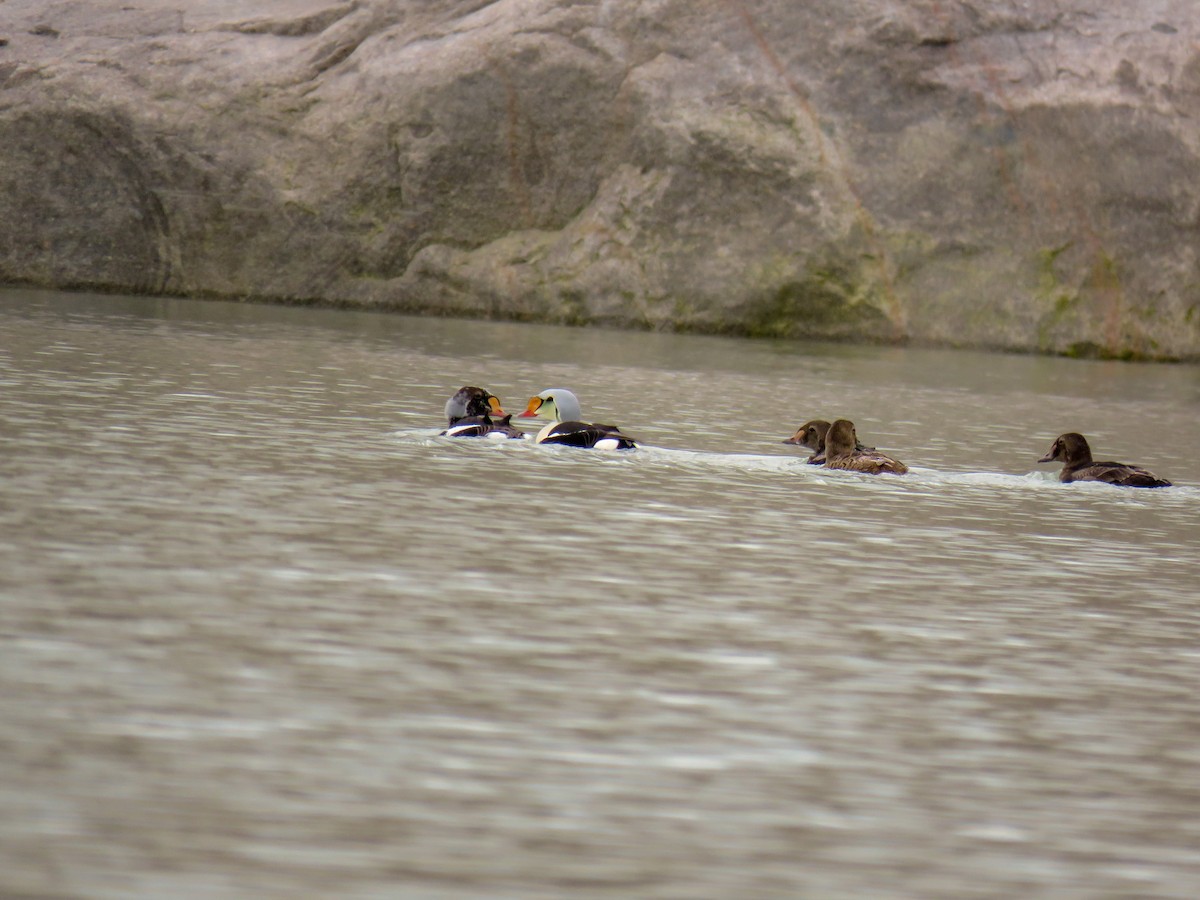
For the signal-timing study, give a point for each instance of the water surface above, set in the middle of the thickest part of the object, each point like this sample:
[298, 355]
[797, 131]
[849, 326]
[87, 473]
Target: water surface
[264, 633]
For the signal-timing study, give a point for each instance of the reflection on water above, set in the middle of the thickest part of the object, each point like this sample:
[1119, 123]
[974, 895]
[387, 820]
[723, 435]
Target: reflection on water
[266, 634]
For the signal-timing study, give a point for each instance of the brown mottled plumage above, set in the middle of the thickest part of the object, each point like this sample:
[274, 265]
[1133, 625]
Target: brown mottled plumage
[1073, 451]
[812, 435]
[841, 452]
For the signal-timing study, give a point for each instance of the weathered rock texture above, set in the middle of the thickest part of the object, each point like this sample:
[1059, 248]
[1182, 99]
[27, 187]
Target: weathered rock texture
[1010, 174]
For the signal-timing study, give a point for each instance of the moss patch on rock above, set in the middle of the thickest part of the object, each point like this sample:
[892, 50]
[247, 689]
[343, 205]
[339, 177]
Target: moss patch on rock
[829, 299]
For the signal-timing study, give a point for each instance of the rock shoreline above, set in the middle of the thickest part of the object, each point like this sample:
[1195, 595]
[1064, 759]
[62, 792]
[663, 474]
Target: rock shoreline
[1018, 176]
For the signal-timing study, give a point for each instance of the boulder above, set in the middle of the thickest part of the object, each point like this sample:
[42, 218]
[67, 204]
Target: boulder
[1021, 176]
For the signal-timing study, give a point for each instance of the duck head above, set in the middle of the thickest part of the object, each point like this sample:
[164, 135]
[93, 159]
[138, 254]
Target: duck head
[1070, 448]
[811, 435]
[555, 404]
[472, 401]
[841, 439]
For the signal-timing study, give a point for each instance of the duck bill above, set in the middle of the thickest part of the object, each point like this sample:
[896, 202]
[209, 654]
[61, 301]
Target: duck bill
[1049, 457]
[531, 411]
[494, 404]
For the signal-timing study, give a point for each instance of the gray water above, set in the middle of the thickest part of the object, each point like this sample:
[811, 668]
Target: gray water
[264, 634]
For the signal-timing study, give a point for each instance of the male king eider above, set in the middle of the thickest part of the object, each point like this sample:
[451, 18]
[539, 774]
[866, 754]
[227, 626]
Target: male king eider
[1073, 451]
[562, 408]
[841, 452]
[469, 412]
[812, 435]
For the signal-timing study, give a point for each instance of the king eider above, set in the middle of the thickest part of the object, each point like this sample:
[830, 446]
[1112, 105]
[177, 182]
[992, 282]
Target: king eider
[1073, 451]
[561, 407]
[470, 412]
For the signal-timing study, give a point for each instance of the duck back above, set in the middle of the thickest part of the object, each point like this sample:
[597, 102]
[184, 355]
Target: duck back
[1113, 473]
[585, 434]
[484, 426]
[469, 426]
[870, 461]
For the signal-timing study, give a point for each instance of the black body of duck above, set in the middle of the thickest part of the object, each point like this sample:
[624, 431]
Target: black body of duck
[1073, 451]
[841, 452]
[470, 411]
[562, 408]
[812, 435]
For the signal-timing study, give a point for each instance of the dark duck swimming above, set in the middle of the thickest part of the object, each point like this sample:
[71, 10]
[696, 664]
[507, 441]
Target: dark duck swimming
[842, 452]
[470, 413]
[1073, 452]
[812, 435]
[561, 407]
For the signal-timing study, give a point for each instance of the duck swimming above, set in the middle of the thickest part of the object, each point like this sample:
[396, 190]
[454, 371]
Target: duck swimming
[812, 435]
[470, 411]
[1073, 451]
[841, 452]
[562, 408]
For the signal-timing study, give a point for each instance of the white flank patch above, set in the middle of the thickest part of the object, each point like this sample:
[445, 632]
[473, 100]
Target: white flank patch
[607, 444]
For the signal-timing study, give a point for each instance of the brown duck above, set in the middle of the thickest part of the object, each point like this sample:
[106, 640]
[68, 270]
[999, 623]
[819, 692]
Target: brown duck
[1073, 451]
[812, 435]
[841, 452]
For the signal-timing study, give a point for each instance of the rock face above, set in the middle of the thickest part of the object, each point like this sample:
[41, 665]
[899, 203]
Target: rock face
[1021, 175]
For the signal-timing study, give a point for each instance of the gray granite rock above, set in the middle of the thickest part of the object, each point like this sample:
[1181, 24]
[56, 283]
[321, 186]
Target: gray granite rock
[1022, 175]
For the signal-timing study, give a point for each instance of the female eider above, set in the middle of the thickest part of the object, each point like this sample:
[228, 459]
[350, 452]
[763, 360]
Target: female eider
[812, 435]
[562, 408]
[1073, 451]
[841, 452]
[470, 411]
